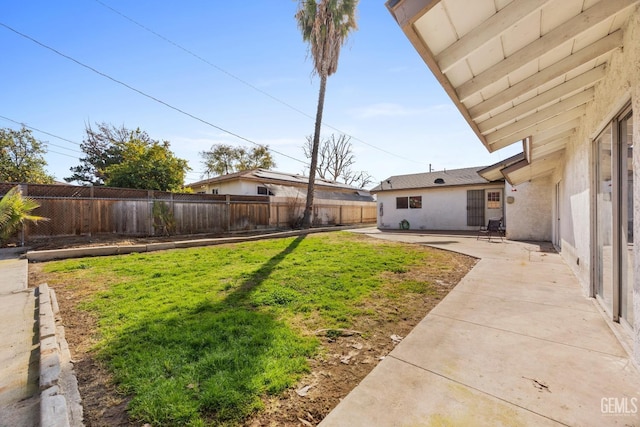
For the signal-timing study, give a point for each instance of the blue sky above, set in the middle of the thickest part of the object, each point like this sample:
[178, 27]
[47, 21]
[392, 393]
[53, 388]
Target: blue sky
[256, 83]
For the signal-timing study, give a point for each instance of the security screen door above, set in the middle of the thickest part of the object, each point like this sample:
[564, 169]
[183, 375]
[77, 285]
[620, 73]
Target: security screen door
[475, 207]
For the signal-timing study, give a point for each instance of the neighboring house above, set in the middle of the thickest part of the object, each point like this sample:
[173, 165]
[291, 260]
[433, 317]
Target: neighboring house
[456, 199]
[279, 184]
[562, 79]
[334, 202]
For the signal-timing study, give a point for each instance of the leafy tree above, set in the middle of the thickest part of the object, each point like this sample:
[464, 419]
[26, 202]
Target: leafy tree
[103, 147]
[15, 209]
[149, 166]
[258, 157]
[21, 157]
[224, 159]
[325, 25]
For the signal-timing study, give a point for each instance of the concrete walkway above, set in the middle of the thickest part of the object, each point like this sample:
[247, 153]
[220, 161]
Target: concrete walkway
[19, 346]
[514, 344]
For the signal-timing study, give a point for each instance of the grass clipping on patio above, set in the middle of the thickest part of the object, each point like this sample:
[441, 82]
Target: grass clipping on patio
[197, 336]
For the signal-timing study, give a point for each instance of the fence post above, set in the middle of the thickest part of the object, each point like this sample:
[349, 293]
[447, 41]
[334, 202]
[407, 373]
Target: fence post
[24, 189]
[361, 214]
[91, 207]
[228, 213]
[151, 231]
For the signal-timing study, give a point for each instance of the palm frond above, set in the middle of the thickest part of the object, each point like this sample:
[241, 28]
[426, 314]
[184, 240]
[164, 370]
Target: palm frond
[15, 209]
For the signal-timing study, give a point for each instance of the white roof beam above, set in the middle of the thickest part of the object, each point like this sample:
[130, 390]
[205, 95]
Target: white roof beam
[483, 33]
[556, 131]
[549, 139]
[567, 31]
[545, 150]
[542, 115]
[521, 172]
[591, 52]
[552, 123]
[583, 80]
[538, 171]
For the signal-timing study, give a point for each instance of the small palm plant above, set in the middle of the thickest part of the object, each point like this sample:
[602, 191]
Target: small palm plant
[15, 209]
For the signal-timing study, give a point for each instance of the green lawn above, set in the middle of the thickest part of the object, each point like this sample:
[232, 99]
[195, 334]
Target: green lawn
[198, 336]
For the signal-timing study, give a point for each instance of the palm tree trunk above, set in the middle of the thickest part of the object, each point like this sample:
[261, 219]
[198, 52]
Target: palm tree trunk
[308, 209]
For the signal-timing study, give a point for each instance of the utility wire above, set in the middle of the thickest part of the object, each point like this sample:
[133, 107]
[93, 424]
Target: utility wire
[244, 82]
[199, 173]
[46, 133]
[62, 154]
[120, 82]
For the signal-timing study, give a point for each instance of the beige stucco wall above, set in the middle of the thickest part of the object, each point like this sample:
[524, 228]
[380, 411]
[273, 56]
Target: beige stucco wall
[442, 208]
[575, 208]
[527, 210]
[620, 85]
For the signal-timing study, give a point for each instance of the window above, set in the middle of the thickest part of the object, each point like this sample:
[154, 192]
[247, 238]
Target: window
[493, 200]
[214, 191]
[412, 202]
[265, 191]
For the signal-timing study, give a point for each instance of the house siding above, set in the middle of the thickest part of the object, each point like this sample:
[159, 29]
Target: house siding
[620, 85]
[442, 208]
[527, 211]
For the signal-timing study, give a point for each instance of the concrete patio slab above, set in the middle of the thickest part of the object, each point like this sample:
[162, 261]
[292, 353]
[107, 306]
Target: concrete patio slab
[413, 396]
[538, 320]
[548, 378]
[514, 343]
[19, 393]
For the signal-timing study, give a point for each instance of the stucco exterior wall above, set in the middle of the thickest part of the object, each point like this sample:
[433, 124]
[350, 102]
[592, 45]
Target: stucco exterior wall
[575, 209]
[620, 86]
[442, 208]
[527, 210]
[242, 188]
[235, 187]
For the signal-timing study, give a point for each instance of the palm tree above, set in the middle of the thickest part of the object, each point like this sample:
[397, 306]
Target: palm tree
[325, 25]
[15, 209]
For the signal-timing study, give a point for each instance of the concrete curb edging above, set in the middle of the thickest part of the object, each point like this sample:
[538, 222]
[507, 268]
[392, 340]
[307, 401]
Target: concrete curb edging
[59, 396]
[53, 254]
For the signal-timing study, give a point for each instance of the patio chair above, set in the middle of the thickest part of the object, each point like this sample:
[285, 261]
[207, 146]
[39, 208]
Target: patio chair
[493, 228]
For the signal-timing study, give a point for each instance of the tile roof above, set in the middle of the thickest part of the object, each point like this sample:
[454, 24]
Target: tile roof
[445, 178]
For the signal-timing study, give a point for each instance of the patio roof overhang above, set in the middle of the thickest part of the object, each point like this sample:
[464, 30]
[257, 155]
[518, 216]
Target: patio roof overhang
[518, 70]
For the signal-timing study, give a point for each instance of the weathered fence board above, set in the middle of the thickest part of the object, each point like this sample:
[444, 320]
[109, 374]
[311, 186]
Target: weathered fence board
[86, 211]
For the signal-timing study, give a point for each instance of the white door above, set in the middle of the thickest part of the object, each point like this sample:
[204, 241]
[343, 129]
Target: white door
[493, 203]
[557, 240]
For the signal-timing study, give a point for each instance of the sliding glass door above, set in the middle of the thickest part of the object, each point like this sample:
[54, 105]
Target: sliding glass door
[613, 269]
[625, 136]
[604, 220]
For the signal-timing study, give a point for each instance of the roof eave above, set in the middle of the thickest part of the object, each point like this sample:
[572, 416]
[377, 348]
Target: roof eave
[406, 13]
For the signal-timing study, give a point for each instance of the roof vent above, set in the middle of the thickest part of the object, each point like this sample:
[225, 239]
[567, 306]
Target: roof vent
[439, 181]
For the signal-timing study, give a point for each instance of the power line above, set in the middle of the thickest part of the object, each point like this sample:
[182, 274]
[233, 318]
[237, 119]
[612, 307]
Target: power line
[46, 133]
[244, 82]
[166, 104]
[62, 154]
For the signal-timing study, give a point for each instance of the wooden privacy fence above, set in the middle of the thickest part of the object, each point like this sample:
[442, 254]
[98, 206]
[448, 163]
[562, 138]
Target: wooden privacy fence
[287, 212]
[93, 211]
